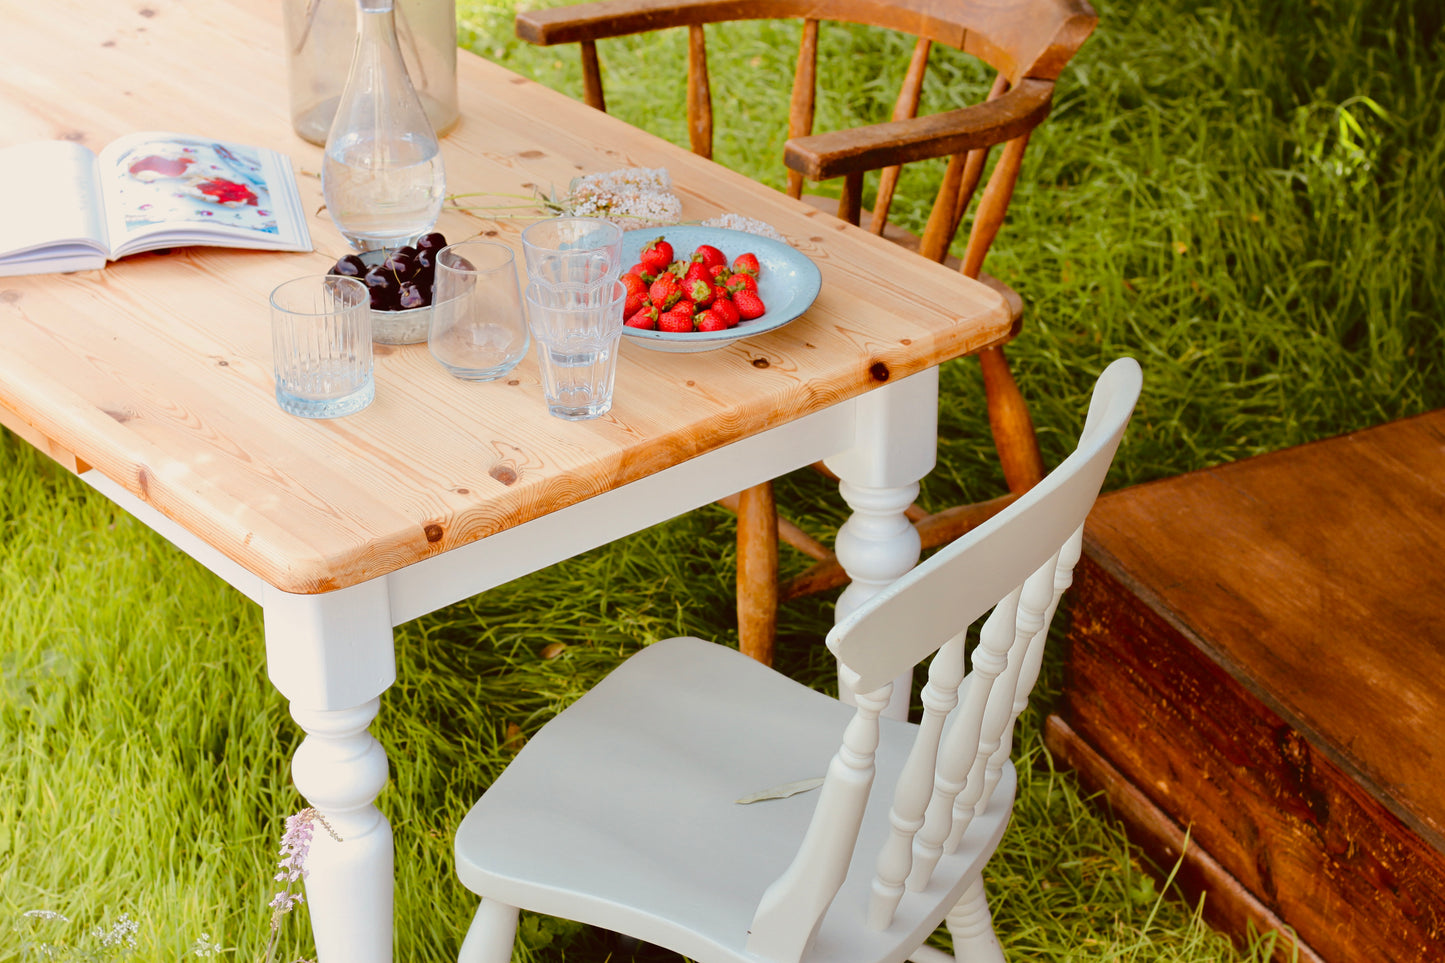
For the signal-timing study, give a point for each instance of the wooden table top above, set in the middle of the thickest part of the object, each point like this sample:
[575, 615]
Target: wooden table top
[1312, 575]
[157, 370]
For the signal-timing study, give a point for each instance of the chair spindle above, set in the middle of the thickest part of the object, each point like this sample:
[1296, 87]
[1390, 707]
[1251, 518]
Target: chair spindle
[699, 93]
[915, 783]
[805, 87]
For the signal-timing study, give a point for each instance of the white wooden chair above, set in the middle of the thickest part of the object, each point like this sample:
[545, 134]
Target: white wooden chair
[623, 812]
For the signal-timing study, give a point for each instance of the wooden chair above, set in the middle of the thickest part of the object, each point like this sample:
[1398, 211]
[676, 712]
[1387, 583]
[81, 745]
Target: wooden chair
[627, 810]
[1027, 42]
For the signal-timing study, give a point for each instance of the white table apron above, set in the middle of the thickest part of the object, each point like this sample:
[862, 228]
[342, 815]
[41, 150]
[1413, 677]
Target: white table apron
[332, 655]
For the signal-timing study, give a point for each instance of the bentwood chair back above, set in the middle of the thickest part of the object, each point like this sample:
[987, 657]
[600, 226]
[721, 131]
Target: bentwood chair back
[1026, 43]
[630, 810]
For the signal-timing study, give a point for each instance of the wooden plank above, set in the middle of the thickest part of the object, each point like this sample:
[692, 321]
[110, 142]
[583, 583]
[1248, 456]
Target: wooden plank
[156, 370]
[1228, 906]
[1314, 577]
[1258, 649]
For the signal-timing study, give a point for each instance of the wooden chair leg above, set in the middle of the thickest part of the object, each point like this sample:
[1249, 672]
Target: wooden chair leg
[1013, 429]
[757, 572]
[491, 935]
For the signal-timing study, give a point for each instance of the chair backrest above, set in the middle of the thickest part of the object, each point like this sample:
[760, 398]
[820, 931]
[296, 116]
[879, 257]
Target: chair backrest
[1027, 42]
[1018, 563]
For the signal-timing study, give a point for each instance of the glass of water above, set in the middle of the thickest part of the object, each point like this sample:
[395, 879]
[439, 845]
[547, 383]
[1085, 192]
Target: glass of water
[572, 250]
[578, 329]
[477, 330]
[321, 346]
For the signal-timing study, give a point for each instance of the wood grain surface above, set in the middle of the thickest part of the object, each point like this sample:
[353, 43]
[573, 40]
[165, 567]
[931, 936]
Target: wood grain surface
[1260, 649]
[157, 370]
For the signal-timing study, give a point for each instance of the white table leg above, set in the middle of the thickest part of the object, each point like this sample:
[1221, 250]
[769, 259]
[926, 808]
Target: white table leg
[896, 445]
[332, 657]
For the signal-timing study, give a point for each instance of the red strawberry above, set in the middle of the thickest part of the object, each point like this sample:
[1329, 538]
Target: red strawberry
[747, 264]
[711, 320]
[644, 318]
[677, 322]
[700, 291]
[749, 305]
[709, 256]
[718, 272]
[696, 272]
[742, 282]
[656, 255]
[633, 282]
[727, 310]
[665, 291]
[634, 303]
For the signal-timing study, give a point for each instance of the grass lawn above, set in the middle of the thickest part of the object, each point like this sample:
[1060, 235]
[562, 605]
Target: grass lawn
[1249, 198]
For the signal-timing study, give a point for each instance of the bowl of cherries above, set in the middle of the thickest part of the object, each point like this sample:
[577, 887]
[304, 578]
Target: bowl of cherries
[400, 281]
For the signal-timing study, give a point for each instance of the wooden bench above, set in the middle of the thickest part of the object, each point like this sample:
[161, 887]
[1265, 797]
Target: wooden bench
[1257, 657]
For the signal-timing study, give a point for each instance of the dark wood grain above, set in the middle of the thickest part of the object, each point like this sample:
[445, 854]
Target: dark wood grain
[1260, 649]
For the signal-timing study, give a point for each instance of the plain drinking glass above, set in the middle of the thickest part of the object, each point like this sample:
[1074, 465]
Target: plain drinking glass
[321, 346]
[572, 250]
[477, 329]
[578, 329]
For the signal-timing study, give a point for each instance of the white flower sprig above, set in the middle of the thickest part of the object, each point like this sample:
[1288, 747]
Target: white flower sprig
[632, 197]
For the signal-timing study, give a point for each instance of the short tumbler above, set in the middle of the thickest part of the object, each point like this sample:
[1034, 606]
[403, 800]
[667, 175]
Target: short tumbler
[572, 250]
[578, 328]
[321, 346]
[477, 329]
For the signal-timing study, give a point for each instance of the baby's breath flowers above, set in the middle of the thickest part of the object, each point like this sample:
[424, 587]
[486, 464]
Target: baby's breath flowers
[632, 197]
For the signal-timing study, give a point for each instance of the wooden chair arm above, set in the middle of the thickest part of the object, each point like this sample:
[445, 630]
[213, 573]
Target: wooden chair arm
[619, 18]
[859, 149]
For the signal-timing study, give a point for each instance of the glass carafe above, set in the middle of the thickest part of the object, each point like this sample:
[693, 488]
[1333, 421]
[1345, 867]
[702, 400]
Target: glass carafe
[382, 175]
[320, 37]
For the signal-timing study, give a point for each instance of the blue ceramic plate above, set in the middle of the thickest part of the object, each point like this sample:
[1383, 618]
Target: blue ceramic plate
[787, 282]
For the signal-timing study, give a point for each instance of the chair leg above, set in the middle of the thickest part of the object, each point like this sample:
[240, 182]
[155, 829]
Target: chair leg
[491, 935]
[971, 927]
[757, 572]
[1013, 429]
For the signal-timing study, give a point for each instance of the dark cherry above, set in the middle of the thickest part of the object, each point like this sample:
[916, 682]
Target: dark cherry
[425, 268]
[385, 289]
[407, 249]
[349, 266]
[434, 241]
[399, 264]
[411, 297]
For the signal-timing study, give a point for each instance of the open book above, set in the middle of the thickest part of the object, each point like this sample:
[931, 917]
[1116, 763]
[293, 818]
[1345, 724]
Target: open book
[65, 208]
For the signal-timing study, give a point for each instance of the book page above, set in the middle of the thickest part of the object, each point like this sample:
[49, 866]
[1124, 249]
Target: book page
[51, 199]
[165, 190]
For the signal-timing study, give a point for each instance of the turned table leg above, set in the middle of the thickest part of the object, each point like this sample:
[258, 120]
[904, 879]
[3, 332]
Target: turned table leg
[896, 445]
[332, 657]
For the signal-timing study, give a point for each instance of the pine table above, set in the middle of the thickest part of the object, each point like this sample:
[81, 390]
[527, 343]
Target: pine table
[151, 379]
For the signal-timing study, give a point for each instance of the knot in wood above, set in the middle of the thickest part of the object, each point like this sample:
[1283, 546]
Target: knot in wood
[434, 532]
[505, 474]
[760, 362]
[879, 371]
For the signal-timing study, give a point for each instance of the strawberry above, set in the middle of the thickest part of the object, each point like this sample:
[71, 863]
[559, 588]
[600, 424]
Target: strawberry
[742, 282]
[749, 305]
[696, 272]
[636, 300]
[656, 255]
[632, 280]
[677, 322]
[709, 256]
[747, 264]
[711, 320]
[700, 291]
[725, 308]
[644, 318]
[665, 291]
[718, 272]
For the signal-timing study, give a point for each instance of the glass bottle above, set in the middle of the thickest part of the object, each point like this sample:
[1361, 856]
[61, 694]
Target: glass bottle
[320, 38]
[382, 174]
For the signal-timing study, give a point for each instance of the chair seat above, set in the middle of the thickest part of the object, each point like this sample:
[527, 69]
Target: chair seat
[622, 811]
